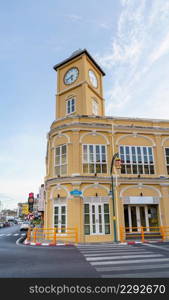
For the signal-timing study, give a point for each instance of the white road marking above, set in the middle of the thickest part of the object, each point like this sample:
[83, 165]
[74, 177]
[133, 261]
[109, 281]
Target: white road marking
[2, 234]
[122, 257]
[16, 234]
[115, 253]
[109, 249]
[9, 234]
[115, 260]
[138, 275]
[158, 247]
[136, 261]
[112, 252]
[124, 268]
[102, 246]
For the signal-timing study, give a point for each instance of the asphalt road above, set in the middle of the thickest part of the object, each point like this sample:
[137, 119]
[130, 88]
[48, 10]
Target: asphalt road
[20, 261]
[106, 260]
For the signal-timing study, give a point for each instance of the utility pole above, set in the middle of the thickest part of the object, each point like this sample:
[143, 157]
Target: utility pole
[117, 161]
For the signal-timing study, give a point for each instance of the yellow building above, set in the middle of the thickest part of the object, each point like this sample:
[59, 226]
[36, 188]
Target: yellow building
[25, 209]
[81, 144]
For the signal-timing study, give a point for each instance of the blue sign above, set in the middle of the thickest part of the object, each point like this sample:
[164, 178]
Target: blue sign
[76, 193]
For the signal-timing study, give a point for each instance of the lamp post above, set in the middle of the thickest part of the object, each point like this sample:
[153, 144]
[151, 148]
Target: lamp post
[116, 159]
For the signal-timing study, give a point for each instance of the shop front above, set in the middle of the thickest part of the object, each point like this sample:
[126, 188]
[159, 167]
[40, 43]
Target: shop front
[141, 212]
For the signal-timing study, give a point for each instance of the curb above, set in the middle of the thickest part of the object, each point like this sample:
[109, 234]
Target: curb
[133, 243]
[151, 242]
[46, 244]
[145, 242]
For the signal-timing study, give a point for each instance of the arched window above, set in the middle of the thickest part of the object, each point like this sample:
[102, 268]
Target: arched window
[70, 105]
[167, 159]
[95, 107]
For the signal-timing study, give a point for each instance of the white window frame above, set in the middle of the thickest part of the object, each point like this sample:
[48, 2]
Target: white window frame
[94, 156]
[60, 216]
[137, 163]
[167, 165]
[70, 100]
[95, 107]
[60, 163]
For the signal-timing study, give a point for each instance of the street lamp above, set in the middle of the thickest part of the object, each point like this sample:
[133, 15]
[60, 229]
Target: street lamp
[117, 161]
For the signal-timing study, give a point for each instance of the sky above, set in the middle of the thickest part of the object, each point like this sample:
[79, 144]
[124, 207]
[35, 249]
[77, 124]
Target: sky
[128, 38]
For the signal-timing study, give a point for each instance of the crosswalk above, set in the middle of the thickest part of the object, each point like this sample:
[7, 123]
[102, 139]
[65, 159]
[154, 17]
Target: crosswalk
[11, 234]
[125, 261]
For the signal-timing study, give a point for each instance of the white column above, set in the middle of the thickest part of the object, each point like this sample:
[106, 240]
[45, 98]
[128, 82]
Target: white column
[138, 217]
[129, 215]
[146, 216]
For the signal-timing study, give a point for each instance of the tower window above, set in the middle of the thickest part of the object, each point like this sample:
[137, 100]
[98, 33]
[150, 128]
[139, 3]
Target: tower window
[95, 107]
[167, 159]
[70, 105]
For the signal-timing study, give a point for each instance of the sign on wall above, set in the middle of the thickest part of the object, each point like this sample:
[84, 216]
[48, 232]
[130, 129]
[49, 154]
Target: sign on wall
[76, 193]
[141, 200]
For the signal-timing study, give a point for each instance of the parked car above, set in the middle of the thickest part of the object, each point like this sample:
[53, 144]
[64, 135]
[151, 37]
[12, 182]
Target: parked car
[1, 224]
[25, 226]
[11, 223]
[6, 224]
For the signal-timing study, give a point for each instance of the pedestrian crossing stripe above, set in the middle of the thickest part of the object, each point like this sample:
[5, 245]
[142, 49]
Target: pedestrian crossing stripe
[128, 261]
[114, 253]
[161, 274]
[126, 268]
[122, 257]
[136, 261]
[12, 234]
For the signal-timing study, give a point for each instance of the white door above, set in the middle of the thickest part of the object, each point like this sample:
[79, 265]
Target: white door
[60, 218]
[99, 219]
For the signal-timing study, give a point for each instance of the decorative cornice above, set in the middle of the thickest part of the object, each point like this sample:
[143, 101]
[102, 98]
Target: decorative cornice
[106, 128]
[80, 125]
[107, 180]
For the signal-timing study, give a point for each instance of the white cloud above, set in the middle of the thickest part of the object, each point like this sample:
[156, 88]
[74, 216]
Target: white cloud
[74, 17]
[161, 50]
[141, 39]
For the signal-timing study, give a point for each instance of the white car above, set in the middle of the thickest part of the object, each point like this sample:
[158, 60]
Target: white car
[25, 225]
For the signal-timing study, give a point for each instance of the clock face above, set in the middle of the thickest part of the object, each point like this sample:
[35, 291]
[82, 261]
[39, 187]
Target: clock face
[93, 78]
[71, 75]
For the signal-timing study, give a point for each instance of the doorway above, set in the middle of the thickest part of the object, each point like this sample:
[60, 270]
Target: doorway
[60, 218]
[137, 216]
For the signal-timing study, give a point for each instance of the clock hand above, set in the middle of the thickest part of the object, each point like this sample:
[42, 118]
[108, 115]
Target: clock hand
[70, 78]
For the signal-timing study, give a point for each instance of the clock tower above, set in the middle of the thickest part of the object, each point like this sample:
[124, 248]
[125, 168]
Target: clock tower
[79, 86]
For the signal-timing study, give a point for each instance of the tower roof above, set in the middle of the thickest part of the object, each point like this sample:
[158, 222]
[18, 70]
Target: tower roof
[76, 54]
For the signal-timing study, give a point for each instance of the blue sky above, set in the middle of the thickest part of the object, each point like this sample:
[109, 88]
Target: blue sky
[130, 40]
